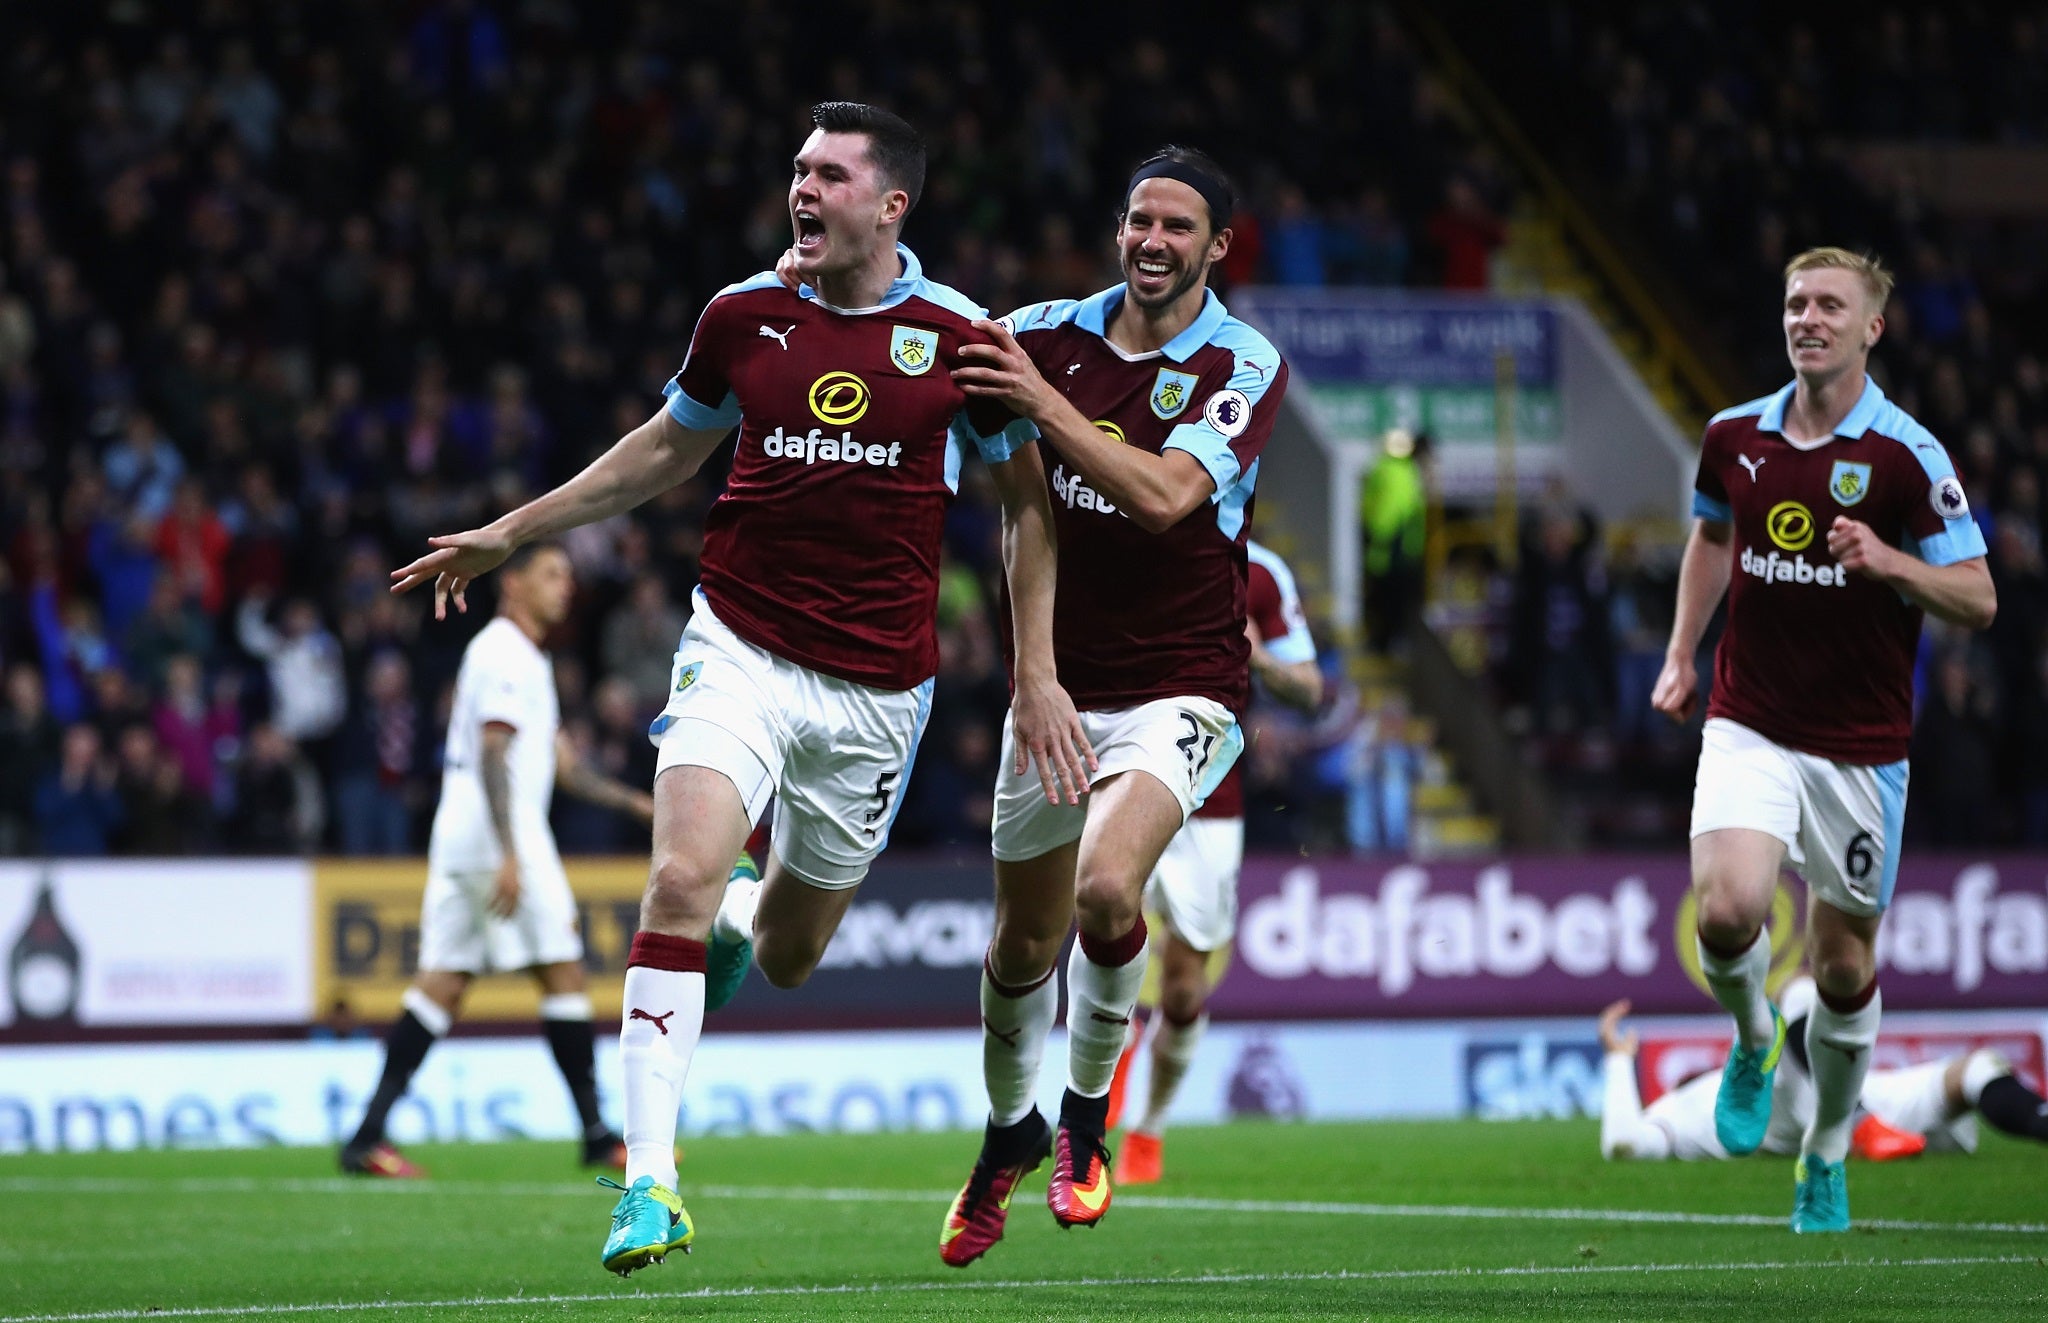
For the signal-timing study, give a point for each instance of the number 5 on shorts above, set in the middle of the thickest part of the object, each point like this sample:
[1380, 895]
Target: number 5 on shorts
[885, 790]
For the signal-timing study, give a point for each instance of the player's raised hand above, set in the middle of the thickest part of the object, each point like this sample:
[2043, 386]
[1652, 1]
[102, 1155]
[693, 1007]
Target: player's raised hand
[457, 558]
[505, 890]
[1612, 1039]
[785, 270]
[1857, 547]
[1001, 370]
[1047, 732]
[1677, 689]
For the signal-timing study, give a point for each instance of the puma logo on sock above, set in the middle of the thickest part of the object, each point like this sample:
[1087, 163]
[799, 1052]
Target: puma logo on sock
[656, 1020]
[1109, 1019]
[1008, 1040]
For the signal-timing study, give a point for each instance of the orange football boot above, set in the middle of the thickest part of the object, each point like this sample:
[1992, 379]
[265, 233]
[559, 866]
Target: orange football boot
[1141, 1160]
[1875, 1141]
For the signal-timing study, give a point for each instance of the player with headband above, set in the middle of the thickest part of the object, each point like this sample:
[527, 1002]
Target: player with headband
[1155, 403]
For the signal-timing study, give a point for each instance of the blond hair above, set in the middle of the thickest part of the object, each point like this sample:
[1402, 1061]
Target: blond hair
[1869, 268]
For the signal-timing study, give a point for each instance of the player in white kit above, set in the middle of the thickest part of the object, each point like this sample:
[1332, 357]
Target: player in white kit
[1934, 1103]
[497, 898]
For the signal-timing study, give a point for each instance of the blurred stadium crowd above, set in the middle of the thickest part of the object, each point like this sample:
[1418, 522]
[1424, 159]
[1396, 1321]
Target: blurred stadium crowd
[284, 288]
[1729, 159]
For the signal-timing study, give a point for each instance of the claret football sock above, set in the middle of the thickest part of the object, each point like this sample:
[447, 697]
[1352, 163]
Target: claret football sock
[1736, 979]
[1103, 979]
[1015, 1022]
[664, 1013]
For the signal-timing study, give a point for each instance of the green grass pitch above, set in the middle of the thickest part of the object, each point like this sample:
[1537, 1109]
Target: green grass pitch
[1423, 1220]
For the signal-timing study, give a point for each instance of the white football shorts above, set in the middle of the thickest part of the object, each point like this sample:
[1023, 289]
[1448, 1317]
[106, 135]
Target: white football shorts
[837, 753]
[1194, 885]
[459, 934]
[1840, 822]
[1187, 744]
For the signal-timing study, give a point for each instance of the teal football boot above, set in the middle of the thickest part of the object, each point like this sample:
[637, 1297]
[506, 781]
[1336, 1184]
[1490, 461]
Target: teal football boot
[648, 1221]
[1742, 1107]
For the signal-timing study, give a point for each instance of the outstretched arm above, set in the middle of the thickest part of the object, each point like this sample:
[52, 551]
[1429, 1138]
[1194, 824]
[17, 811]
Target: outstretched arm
[495, 770]
[645, 462]
[1623, 1131]
[575, 777]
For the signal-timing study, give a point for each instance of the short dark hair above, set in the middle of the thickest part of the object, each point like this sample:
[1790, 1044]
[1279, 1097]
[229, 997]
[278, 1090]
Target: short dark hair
[524, 554]
[1193, 158]
[895, 148]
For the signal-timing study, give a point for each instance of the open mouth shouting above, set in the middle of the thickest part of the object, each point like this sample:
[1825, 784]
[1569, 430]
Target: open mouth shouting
[810, 231]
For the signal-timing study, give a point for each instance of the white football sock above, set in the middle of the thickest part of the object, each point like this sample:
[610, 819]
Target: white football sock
[1173, 1047]
[735, 919]
[664, 1013]
[1838, 1045]
[1015, 1022]
[1100, 999]
[1738, 984]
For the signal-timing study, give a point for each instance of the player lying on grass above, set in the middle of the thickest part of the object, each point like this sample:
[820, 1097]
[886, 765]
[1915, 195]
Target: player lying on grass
[1932, 1105]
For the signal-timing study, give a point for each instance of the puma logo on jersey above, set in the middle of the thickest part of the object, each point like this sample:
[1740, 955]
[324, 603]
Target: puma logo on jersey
[1751, 464]
[658, 1021]
[1072, 368]
[1259, 368]
[779, 337]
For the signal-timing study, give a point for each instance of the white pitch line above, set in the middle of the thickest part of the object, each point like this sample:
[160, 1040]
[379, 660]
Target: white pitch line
[829, 1194]
[1027, 1284]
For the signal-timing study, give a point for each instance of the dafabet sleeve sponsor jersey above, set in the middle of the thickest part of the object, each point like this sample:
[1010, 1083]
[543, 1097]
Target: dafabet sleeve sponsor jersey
[824, 548]
[1816, 658]
[1140, 616]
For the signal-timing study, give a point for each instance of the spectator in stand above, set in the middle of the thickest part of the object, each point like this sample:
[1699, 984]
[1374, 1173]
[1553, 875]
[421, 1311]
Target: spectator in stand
[30, 743]
[169, 626]
[277, 808]
[384, 749]
[77, 807]
[1465, 234]
[308, 691]
[640, 642]
[192, 543]
[1954, 744]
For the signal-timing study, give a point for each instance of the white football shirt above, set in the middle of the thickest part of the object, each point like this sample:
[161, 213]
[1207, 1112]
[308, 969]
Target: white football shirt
[504, 678]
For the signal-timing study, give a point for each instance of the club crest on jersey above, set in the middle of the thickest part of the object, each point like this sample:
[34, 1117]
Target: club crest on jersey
[1849, 483]
[687, 676]
[913, 351]
[1171, 392]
